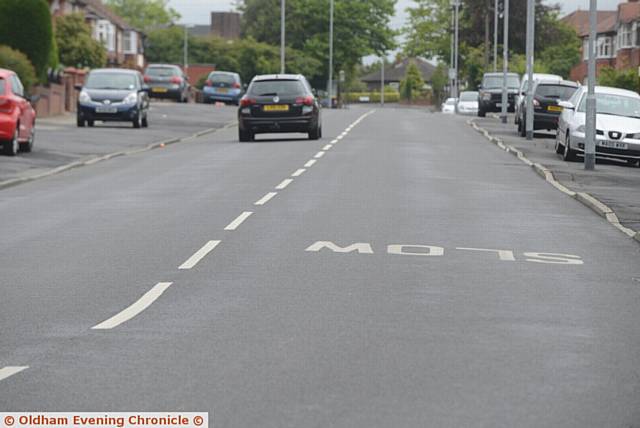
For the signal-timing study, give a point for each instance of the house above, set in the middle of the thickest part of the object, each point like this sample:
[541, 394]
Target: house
[124, 44]
[394, 73]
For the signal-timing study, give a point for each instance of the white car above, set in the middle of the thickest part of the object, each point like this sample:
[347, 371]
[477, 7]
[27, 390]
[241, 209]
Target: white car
[524, 86]
[617, 125]
[449, 106]
[468, 103]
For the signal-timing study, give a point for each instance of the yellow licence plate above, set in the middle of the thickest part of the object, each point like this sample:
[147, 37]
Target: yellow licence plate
[276, 107]
[160, 90]
[554, 108]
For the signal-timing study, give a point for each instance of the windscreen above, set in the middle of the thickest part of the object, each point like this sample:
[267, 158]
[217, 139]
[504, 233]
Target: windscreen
[617, 105]
[493, 82]
[469, 96]
[122, 81]
[560, 92]
[450, 102]
[227, 79]
[277, 87]
[162, 71]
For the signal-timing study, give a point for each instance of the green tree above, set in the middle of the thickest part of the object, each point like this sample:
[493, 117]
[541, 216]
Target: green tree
[18, 62]
[76, 46]
[145, 15]
[25, 25]
[560, 57]
[412, 83]
[439, 80]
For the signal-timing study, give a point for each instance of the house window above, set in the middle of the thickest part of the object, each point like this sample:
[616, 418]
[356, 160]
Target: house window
[625, 36]
[106, 33]
[605, 47]
[130, 42]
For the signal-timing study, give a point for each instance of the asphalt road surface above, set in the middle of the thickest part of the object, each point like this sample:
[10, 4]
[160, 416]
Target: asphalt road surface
[413, 275]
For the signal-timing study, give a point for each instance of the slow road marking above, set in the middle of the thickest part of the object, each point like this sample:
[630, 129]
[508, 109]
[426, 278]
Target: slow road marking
[132, 311]
[266, 198]
[199, 255]
[8, 371]
[238, 221]
[284, 184]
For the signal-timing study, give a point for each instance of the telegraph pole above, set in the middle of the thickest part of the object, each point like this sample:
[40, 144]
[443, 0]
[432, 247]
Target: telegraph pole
[282, 35]
[495, 36]
[590, 125]
[185, 59]
[457, 25]
[531, 26]
[331, 54]
[382, 81]
[453, 24]
[505, 64]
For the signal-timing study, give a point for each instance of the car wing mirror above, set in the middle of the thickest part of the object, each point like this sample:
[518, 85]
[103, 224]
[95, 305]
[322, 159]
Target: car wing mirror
[566, 105]
[78, 86]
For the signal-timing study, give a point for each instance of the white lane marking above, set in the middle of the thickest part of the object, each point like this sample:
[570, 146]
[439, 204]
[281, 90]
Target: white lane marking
[199, 255]
[339, 137]
[140, 305]
[319, 155]
[327, 147]
[8, 371]
[284, 183]
[266, 198]
[310, 163]
[333, 141]
[504, 255]
[298, 173]
[238, 221]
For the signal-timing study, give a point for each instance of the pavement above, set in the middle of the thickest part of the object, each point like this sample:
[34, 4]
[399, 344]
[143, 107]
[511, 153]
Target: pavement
[400, 272]
[614, 183]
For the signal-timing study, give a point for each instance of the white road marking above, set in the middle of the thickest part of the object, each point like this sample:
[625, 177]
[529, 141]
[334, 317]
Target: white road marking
[554, 258]
[327, 147]
[8, 371]
[339, 137]
[199, 255]
[266, 198]
[319, 155]
[504, 255]
[140, 305]
[298, 173]
[360, 247]
[403, 250]
[333, 141]
[310, 163]
[238, 221]
[284, 183]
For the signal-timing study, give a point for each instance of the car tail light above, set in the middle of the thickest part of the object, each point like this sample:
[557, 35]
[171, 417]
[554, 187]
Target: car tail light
[236, 85]
[246, 102]
[176, 80]
[536, 103]
[147, 79]
[6, 106]
[209, 83]
[307, 101]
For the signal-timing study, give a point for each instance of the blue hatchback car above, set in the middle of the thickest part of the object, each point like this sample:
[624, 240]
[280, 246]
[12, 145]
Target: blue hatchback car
[223, 86]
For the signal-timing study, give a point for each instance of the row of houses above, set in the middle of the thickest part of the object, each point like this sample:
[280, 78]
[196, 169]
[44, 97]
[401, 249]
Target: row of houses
[617, 42]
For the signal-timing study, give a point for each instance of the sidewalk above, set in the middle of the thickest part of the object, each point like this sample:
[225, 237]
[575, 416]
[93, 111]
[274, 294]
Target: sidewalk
[613, 183]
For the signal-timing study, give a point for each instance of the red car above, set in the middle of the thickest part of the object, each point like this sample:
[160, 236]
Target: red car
[17, 116]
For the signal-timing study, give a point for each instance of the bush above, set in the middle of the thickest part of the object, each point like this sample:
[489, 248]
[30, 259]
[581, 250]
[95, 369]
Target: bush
[374, 97]
[623, 79]
[76, 46]
[18, 62]
[25, 25]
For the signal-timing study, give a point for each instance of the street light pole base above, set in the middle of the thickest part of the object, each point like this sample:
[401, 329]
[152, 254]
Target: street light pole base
[503, 118]
[529, 135]
[590, 161]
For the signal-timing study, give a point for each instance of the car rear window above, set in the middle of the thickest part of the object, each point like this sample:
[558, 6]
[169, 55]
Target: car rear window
[493, 82]
[469, 96]
[2, 83]
[277, 87]
[162, 71]
[222, 78]
[560, 92]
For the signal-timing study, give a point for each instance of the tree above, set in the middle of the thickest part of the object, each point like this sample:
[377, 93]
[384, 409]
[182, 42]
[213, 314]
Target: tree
[25, 25]
[145, 15]
[439, 80]
[18, 62]
[75, 45]
[412, 82]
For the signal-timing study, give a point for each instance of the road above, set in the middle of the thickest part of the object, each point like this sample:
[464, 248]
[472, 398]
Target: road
[368, 291]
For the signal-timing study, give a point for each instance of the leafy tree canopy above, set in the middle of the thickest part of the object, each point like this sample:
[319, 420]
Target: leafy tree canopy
[145, 15]
[75, 45]
[18, 62]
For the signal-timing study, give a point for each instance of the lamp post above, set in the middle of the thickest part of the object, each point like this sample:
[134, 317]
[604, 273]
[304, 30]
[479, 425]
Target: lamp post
[331, 54]
[455, 5]
[590, 122]
[531, 26]
[382, 81]
[282, 35]
[495, 36]
[505, 64]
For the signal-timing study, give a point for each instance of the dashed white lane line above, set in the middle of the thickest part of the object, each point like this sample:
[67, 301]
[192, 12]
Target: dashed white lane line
[298, 173]
[284, 184]
[310, 163]
[238, 221]
[266, 198]
[338, 138]
[327, 147]
[8, 371]
[333, 141]
[140, 305]
[199, 255]
[319, 155]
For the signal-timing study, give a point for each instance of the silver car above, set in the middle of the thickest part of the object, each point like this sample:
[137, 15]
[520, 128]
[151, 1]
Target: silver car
[467, 103]
[617, 125]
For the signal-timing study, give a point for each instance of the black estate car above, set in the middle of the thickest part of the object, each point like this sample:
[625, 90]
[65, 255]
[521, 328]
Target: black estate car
[279, 103]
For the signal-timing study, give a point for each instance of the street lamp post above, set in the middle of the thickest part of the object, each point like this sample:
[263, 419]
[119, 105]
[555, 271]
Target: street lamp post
[531, 25]
[331, 54]
[505, 63]
[495, 36]
[457, 13]
[590, 122]
[282, 35]
[382, 81]
[185, 59]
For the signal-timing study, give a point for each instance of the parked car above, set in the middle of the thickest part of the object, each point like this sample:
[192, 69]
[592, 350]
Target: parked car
[167, 81]
[113, 95]
[546, 110]
[449, 106]
[17, 116]
[279, 103]
[223, 86]
[490, 94]
[617, 124]
[468, 103]
[524, 87]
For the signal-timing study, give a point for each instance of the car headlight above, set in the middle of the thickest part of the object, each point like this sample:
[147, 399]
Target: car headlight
[486, 97]
[84, 97]
[581, 129]
[132, 98]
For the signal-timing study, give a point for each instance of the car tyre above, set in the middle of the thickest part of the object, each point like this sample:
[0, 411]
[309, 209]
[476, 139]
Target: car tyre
[522, 128]
[145, 121]
[245, 136]
[482, 113]
[632, 162]
[568, 154]
[28, 146]
[559, 147]
[80, 122]
[12, 146]
[136, 121]
[90, 123]
[316, 133]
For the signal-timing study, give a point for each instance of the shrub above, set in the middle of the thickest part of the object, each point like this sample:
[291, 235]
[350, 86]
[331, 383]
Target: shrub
[374, 97]
[623, 79]
[25, 25]
[76, 46]
[18, 62]
[412, 83]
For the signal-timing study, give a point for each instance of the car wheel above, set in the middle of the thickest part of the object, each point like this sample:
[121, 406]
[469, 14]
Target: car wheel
[482, 113]
[568, 154]
[314, 134]
[632, 162]
[522, 127]
[28, 146]
[145, 121]
[136, 121]
[90, 123]
[559, 147]
[244, 136]
[12, 146]
[80, 122]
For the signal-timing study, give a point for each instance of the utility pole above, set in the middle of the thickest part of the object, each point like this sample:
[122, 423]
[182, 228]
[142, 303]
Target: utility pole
[451, 76]
[382, 81]
[455, 60]
[185, 59]
[282, 35]
[331, 54]
[531, 28]
[505, 63]
[590, 124]
[495, 36]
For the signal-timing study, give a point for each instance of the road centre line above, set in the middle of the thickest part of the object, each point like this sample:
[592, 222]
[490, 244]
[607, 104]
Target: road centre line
[319, 155]
[238, 221]
[310, 163]
[132, 311]
[266, 198]
[199, 255]
[333, 141]
[284, 183]
[299, 172]
[327, 147]
[9, 371]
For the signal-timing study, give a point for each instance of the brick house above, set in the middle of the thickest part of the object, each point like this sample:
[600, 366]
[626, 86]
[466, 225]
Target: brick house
[124, 44]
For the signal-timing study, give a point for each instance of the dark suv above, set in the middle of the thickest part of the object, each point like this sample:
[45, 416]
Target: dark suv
[279, 103]
[490, 93]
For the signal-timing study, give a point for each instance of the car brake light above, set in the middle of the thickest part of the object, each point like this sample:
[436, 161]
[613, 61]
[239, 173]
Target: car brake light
[147, 79]
[536, 103]
[246, 102]
[307, 101]
[6, 106]
[176, 79]
[209, 82]
[236, 85]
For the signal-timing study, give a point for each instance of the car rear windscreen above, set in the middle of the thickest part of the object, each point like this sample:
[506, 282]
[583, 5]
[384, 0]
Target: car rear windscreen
[162, 71]
[560, 92]
[2, 86]
[469, 96]
[493, 82]
[227, 79]
[277, 87]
